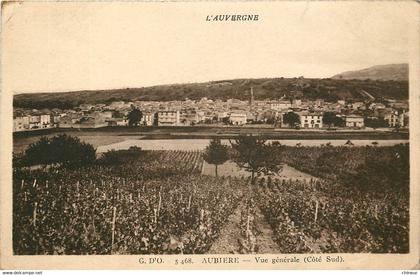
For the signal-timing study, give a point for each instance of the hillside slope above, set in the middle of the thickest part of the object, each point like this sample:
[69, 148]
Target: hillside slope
[397, 72]
[264, 88]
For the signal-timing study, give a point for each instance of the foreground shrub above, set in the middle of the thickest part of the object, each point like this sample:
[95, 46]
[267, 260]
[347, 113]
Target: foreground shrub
[61, 149]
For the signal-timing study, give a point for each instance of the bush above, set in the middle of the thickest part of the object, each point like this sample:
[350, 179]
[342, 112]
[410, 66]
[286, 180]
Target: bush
[112, 158]
[61, 149]
[18, 160]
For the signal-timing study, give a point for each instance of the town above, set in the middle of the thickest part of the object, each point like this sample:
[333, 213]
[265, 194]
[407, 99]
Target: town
[281, 113]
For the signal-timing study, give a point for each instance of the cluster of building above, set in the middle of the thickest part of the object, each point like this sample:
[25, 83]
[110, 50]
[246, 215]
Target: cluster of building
[207, 111]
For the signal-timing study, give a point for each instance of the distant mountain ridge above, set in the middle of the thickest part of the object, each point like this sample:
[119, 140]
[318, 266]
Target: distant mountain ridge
[398, 72]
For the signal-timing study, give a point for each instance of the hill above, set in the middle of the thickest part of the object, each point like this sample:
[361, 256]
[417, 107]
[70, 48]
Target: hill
[264, 88]
[397, 72]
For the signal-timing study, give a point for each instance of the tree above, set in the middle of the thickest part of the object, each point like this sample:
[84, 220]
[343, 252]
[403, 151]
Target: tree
[39, 153]
[114, 158]
[255, 156]
[155, 119]
[134, 117]
[270, 120]
[61, 149]
[216, 153]
[383, 171]
[339, 121]
[225, 120]
[376, 123]
[291, 119]
[329, 118]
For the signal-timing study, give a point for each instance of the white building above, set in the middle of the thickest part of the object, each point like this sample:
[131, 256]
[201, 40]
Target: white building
[147, 119]
[237, 118]
[31, 122]
[45, 121]
[394, 118]
[34, 122]
[354, 121]
[168, 118]
[310, 120]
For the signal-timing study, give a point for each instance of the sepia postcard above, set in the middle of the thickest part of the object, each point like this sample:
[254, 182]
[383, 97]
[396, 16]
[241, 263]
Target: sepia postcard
[210, 135]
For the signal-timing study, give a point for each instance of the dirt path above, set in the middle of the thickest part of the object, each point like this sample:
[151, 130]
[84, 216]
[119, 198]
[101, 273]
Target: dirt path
[230, 238]
[227, 243]
[265, 242]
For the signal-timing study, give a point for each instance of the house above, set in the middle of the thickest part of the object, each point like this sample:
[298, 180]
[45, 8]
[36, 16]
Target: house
[354, 121]
[147, 119]
[21, 123]
[310, 120]
[250, 117]
[66, 121]
[393, 117]
[357, 105]
[92, 121]
[34, 122]
[39, 121]
[221, 115]
[188, 118]
[55, 120]
[238, 118]
[168, 118]
[69, 120]
[280, 105]
[117, 121]
[45, 121]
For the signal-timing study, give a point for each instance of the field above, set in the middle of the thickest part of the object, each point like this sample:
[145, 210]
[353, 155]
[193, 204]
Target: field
[159, 202]
[111, 135]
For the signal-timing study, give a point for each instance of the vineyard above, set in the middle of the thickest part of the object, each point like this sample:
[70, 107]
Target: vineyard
[92, 211]
[157, 202]
[370, 168]
[322, 217]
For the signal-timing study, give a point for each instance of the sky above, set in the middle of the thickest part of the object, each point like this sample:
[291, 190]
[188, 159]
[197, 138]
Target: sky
[64, 46]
